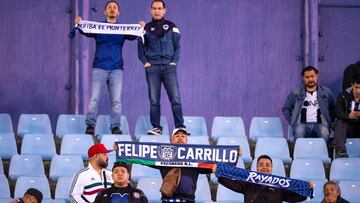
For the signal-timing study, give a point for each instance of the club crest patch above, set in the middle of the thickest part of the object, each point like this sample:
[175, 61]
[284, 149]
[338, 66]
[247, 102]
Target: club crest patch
[166, 27]
[136, 195]
[167, 152]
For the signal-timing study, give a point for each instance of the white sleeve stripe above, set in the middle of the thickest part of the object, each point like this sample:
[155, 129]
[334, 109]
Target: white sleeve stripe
[175, 29]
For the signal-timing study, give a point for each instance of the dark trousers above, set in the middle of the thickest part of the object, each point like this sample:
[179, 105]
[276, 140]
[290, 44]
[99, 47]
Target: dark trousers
[343, 130]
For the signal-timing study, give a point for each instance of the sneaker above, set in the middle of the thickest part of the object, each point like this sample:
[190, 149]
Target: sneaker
[154, 131]
[116, 130]
[90, 130]
[341, 154]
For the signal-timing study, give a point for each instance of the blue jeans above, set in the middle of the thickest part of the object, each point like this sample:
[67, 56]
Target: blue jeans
[311, 130]
[166, 74]
[113, 79]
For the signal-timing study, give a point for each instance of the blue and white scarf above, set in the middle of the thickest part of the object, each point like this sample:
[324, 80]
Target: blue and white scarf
[298, 186]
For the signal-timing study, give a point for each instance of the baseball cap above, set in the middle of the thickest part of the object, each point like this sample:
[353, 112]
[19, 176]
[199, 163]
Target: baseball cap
[35, 193]
[97, 149]
[121, 164]
[176, 130]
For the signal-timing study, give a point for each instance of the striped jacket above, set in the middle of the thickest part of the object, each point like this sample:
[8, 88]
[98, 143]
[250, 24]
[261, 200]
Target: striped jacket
[86, 183]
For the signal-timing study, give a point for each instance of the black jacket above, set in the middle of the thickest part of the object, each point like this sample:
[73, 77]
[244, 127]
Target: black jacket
[135, 195]
[254, 193]
[343, 102]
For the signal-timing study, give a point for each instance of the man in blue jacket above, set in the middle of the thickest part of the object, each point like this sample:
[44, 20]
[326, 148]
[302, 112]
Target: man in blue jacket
[160, 53]
[309, 108]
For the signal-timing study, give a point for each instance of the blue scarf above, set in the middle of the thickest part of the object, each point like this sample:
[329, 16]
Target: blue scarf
[298, 186]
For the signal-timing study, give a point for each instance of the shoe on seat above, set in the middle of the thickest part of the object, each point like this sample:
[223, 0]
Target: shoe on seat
[90, 130]
[154, 131]
[341, 154]
[116, 130]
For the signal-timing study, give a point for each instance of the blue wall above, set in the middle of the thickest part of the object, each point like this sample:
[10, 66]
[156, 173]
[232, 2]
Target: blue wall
[239, 57]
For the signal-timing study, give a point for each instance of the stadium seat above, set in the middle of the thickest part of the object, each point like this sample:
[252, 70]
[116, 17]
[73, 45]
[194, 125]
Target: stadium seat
[275, 147]
[350, 190]
[151, 187]
[196, 125]
[109, 140]
[112, 159]
[345, 169]
[139, 171]
[26, 165]
[4, 189]
[156, 139]
[65, 165]
[353, 147]
[307, 169]
[198, 140]
[103, 125]
[53, 201]
[6, 123]
[143, 125]
[311, 148]
[8, 146]
[242, 142]
[33, 124]
[23, 183]
[318, 191]
[278, 167]
[6, 199]
[227, 127]
[225, 195]
[265, 127]
[41, 144]
[62, 188]
[77, 144]
[239, 164]
[1, 167]
[70, 124]
[202, 192]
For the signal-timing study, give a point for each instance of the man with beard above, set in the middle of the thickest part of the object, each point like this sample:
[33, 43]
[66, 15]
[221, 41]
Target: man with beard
[309, 108]
[92, 179]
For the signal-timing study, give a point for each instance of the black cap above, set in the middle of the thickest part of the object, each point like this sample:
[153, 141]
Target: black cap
[121, 164]
[35, 193]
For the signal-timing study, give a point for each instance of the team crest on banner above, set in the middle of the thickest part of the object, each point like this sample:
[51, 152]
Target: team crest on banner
[167, 152]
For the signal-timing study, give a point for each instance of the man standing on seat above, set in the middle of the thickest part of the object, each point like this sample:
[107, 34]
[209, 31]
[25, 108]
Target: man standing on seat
[348, 114]
[107, 70]
[90, 180]
[160, 53]
[309, 108]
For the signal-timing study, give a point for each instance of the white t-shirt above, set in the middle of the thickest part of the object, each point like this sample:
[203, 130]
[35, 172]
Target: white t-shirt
[311, 107]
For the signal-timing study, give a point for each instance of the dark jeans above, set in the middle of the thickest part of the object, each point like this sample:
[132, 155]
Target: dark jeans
[343, 130]
[166, 74]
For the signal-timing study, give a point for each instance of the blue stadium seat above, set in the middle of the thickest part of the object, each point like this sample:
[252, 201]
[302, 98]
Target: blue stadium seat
[143, 125]
[202, 192]
[4, 189]
[156, 138]
[65, 165]
[227, 126]
[239, 164]
[6, 200]
[41, 144]
[353, 147]
[151, 187]
[6, 123]
[103, 125]
[225, 195]
[350, 190]
[77, 144]
[1, 167]
[311, 148]
[278, 167]
[108, 140]
[318, 191]
[112, 159]
[139, 171]
[33, 123]
[345, 169]
[70, 124]
[242, 142]
[196, 125]
[265, 127]
[62, 188]
[8, 146]
[26, 165]
[59, 201]
[307, 169]
[279, 150]
[198, 140]
[23, 183]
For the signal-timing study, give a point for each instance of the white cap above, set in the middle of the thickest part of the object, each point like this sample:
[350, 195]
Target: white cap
[180, 129]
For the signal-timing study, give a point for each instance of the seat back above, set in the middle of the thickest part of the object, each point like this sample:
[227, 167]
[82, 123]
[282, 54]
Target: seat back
[202, 192]
[265, 127]
[76, 144]
[311, 148]
[6, 123]
[34, 123]
[350, 190]
[345, 169]
[196, 125]
[70, 124]
[103, 125]
[155, 139]
[23, 183]
[307, 169]
[109, 140]
[151, 187]
[227, 126]
[41, 144]
[8, 146]
[65, 165]
[143, 125]
[26, 165]
[240, 141]
[353, 147]
[140, 171]
[62, 188]
[198, 140]
[281, 151]
[224, 194]
[4, 189]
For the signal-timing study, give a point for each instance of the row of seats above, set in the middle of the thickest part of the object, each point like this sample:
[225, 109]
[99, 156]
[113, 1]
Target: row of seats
[75, 124]
[151, 186]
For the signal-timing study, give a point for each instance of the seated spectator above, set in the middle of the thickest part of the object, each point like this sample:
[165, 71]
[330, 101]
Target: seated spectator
[349, 72]
[121, 190]
[31, 195]
[308, 109]
[348, 113]
[332, 193]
